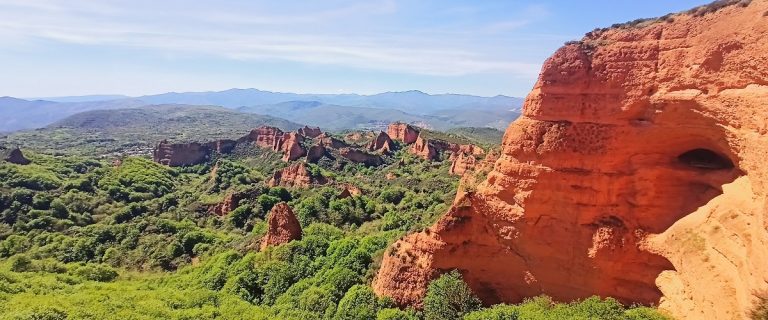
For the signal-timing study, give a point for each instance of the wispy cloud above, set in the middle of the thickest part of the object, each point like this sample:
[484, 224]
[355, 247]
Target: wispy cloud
[343, 34]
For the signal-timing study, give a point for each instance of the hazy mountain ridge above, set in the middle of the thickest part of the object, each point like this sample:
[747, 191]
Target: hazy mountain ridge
[411, 106]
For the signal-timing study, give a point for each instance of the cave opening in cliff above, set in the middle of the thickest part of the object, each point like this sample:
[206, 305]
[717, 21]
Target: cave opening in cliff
[705, 159]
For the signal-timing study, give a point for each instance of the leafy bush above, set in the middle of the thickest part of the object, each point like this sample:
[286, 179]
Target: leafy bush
[448, 297]
[95, 272]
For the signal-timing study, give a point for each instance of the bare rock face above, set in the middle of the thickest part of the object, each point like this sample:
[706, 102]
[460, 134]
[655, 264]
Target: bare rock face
[462, 163]
[381, 143]
[283, 227]
[180, 154]
[424, 148]
[330, 142]
[358, 156]
[296, 175]
[402, 132]
[637, 172]
[222, 146]
[315, 153]
[264, 137]
[290, 145]
[310, 132]
[349, 191]
[226, 206]
[13, 155]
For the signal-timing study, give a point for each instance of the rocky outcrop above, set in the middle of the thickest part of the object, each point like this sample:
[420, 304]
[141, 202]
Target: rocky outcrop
[222, 146]
[180, 154]
[230, 202]
[283, 227]
[290, 145]
[349, 191]
[381, 143]
[462, 163]
[402, 132]
[424, 149]
[363, 157]
[637, 172]
[296, 175]
[315, 153]
[310, 132]
[330, 142]
[13, 155]
[264, 137]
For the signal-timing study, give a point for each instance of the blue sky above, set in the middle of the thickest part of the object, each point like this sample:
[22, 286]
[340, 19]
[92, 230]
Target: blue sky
[136, 47]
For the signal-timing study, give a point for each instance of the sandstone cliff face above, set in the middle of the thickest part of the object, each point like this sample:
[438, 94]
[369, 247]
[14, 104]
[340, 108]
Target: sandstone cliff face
[637, 171]
[310, 132]
[283, 227]
[264, 137]
[462, 163]
[180, 154]
[330, 142]
[402, 132]
[290, 145]
[226, 206]
[423, 149]
[358, 156]
[296, 175]
[381, 143]
[315, 153]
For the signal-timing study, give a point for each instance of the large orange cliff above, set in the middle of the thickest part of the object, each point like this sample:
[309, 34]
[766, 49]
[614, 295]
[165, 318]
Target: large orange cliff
[637, 171]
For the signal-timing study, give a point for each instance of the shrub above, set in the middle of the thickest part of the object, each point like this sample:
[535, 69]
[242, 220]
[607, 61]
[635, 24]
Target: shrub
[449, 297]
[358, 303]
[396, 314]
[497, 312]
[21, 263]
[95, 272]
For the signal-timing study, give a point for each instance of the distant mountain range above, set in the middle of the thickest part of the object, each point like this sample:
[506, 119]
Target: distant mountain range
[330, 111]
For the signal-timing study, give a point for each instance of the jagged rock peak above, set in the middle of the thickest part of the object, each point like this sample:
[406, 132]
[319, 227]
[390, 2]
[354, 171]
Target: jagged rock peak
[283, 227]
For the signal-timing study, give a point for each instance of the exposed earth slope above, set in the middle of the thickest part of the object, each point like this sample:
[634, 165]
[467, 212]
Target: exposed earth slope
[637, 171]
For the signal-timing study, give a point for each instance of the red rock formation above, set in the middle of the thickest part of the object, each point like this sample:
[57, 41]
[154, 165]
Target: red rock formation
[402, 132]
[283, 227]
[290, 145]
[296, 175]
[315, 153]
[358, 136]
[311, 132]
[462, 163]
[358, 156]
[230, 202]
[470, 149]
[13, 155]
[381, 143]
[423, 149]
[180, 154]
[637, 171]
[264, 137]
[330, 142]
[349, 191]
[222, 146]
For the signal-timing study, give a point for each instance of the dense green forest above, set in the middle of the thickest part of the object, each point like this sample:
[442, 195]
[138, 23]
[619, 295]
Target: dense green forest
[82, 238]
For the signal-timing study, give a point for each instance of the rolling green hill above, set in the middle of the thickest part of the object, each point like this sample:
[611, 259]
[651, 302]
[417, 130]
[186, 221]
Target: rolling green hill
[135, 131]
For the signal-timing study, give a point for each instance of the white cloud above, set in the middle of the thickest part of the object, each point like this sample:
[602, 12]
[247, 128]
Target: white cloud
[341, 35]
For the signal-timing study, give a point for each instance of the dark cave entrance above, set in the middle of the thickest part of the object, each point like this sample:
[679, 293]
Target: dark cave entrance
[705, 159]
